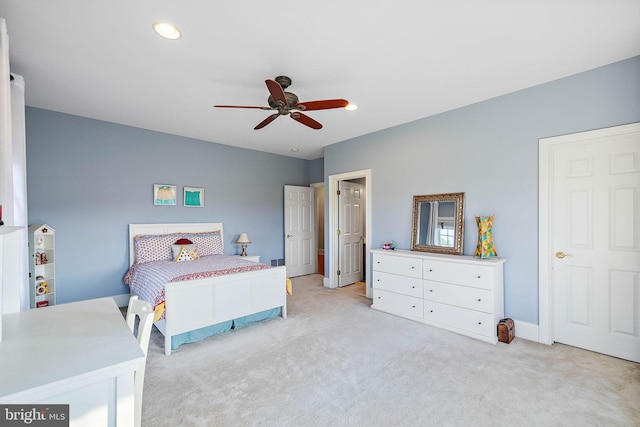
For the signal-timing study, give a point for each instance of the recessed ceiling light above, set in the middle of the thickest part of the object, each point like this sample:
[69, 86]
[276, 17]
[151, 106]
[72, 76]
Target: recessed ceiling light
[351, 107]
[166, 30]
[295, 150]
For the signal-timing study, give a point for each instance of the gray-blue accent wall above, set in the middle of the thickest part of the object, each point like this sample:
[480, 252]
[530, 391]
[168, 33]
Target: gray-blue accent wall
[488, 150]
[88, 179]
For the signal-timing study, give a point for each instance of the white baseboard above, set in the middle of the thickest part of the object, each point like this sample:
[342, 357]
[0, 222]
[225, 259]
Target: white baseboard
[326, 282]
[527, 331]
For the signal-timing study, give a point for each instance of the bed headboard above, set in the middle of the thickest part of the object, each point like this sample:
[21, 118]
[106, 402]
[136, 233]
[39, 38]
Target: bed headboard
[186, 227]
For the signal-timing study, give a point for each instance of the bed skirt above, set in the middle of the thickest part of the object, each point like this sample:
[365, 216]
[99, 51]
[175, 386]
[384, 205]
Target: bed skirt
[207, 331]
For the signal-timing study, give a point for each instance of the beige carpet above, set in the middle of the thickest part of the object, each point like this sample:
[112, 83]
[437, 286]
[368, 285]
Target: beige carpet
[335, 361]
[358, 288]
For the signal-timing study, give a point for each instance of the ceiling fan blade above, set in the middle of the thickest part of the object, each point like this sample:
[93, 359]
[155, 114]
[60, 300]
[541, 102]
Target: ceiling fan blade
[276, 91]
[266, 121]
[322, 105]
[305, 120]
[242, 106]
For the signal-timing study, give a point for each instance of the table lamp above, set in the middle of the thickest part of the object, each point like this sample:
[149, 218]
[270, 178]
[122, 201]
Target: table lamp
[243, 240]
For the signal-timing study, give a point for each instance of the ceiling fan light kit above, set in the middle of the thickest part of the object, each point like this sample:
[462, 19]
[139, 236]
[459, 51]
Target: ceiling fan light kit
[287, 103]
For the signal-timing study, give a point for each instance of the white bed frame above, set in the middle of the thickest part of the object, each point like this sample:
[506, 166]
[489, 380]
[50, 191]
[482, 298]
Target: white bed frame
[194, 304]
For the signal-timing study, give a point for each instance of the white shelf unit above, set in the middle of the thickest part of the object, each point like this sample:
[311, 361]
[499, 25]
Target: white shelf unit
[42, 265]
[462, 294]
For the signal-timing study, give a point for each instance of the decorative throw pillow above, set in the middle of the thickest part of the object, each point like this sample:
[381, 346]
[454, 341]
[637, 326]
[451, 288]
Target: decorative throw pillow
[182, 253]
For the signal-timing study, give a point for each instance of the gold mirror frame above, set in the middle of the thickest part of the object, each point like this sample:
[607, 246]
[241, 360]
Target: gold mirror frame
[458, 223]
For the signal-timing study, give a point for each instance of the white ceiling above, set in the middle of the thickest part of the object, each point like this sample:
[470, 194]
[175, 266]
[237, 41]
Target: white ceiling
[399, 61]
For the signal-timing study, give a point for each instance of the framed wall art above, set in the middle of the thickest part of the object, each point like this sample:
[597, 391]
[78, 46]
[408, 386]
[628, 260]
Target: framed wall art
[193, 197]
[164, 195]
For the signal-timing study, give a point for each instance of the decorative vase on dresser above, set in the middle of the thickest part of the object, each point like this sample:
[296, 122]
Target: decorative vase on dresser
[462, 294]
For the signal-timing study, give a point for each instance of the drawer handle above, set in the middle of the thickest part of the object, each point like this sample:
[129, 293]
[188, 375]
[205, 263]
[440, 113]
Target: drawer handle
[413, 306]
[479, 323]
[479, 299]
[379, 297]
[430, 270]
[478, 277]
[430, 311]
[412, 267]
[430, 290]
[377, 262]
[413, 287]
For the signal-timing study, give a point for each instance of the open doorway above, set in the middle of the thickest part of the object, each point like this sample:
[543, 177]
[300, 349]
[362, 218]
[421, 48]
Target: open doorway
[319, 187]
[336, 256]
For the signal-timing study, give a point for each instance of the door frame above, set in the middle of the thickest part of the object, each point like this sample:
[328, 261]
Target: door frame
[319, 186]
[334, 262]
[546, 146]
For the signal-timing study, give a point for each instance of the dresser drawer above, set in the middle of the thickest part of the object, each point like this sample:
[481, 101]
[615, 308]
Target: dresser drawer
[468, 320]
[402, 305]
[399, 284]
[404, 266]
[458, 273]
[464, 296]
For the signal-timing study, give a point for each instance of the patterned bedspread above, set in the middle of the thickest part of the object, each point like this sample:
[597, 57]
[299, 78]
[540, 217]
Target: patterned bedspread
[147, 280]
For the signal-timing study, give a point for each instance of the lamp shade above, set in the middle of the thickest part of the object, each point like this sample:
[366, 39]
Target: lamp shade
[244, 238]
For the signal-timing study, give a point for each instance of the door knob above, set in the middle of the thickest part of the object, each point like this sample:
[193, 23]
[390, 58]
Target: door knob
[561, 254]
[289, 235]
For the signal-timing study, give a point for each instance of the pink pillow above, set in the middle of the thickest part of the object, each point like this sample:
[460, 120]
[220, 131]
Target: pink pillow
[154, 247]
[209, 243]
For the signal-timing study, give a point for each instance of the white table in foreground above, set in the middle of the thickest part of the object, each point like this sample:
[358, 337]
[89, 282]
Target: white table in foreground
[82, 354]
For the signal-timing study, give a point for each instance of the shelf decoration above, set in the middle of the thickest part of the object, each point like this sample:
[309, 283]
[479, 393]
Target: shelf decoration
[164, 195]
[193, 197]
[485, 248]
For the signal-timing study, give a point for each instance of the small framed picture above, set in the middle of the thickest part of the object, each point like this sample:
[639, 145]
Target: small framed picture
[193, 197]
[164, 195]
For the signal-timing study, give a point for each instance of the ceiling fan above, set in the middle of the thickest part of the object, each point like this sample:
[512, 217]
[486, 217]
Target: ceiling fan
[286, 103]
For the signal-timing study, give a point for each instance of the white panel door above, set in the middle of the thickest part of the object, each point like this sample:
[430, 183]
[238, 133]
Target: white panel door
[350, 237]
[300, 252]
[595, 225]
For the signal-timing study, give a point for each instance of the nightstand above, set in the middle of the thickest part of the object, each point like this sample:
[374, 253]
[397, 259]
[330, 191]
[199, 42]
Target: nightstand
[254, 258]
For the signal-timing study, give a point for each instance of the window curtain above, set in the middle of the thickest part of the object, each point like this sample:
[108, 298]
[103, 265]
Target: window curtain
[13, 176]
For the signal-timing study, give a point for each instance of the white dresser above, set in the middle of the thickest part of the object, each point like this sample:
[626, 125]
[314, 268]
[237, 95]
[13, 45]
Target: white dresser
[462, 294]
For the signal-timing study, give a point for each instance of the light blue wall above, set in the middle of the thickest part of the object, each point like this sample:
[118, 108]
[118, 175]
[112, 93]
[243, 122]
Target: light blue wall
[489, 151]
[89, 179]
[316, 171]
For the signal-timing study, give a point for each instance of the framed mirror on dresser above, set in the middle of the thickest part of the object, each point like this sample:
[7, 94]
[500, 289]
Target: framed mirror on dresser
[438, 223]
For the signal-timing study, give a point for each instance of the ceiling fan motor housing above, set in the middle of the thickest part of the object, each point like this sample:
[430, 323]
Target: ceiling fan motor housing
[292, 100]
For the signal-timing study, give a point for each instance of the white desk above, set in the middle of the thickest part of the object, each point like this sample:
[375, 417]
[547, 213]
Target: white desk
[82, 354]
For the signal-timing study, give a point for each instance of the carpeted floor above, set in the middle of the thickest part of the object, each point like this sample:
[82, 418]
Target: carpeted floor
[358, 288]
[335, 361]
